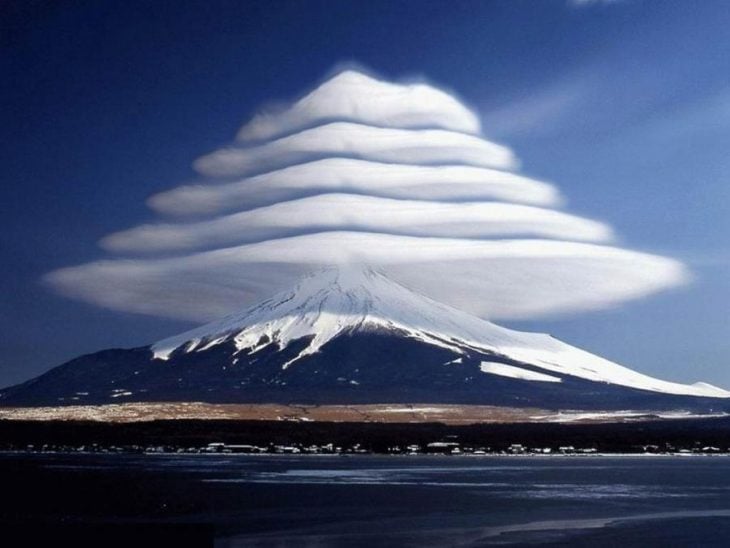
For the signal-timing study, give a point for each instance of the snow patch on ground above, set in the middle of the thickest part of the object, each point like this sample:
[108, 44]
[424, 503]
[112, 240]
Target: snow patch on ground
[418, 410]
[613, 416]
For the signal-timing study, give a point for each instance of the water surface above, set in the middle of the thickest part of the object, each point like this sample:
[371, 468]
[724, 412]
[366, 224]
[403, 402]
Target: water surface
[359, 501]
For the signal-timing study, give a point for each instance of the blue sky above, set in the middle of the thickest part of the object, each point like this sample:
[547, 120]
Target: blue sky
[624, 105]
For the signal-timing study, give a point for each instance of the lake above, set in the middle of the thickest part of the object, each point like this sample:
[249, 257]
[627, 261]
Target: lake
[359, 501]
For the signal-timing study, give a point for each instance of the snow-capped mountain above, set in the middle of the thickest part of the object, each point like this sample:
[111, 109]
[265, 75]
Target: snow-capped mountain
[351, 335]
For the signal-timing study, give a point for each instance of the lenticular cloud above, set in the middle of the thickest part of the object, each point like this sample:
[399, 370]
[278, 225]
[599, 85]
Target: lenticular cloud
[365, 173]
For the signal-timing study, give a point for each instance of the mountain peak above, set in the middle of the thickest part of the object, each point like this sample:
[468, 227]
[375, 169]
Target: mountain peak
[321, 306]
[354, 335]
[338, 301]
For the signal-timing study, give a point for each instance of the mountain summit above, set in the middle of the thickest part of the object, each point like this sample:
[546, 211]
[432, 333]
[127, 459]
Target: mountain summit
[352, 335]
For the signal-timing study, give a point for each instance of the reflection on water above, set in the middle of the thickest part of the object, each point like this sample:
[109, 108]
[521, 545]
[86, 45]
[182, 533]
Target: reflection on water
[387, 500]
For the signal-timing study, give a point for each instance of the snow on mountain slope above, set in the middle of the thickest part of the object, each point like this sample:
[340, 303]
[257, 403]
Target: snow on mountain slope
[336, 301]
[513, 372]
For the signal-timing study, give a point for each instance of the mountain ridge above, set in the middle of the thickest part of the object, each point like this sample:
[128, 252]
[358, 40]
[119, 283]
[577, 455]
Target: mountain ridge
[335, 300]
[353, 335]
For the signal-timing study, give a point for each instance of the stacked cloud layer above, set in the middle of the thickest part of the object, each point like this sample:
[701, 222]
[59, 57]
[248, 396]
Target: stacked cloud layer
[361, 172]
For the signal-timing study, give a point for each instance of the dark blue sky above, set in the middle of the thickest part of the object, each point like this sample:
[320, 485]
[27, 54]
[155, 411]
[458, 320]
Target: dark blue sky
[624, 105]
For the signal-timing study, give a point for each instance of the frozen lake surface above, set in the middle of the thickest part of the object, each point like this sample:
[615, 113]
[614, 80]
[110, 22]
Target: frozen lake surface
[360, 501]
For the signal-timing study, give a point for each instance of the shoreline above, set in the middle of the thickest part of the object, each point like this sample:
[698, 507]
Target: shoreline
[203, 455]
[187, 436]
[381, 413]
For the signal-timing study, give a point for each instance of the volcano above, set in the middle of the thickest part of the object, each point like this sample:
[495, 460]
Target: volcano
[354, 336]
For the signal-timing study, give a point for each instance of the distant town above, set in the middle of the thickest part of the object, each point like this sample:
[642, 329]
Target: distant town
[432, 448]
[701, 436]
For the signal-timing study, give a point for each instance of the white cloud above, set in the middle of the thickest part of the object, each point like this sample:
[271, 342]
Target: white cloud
[506, 279]
[416, 182]
[584, 3]
[541, 110]
[348, 193]
[361, 213]
[400, 146]
[357, 97]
